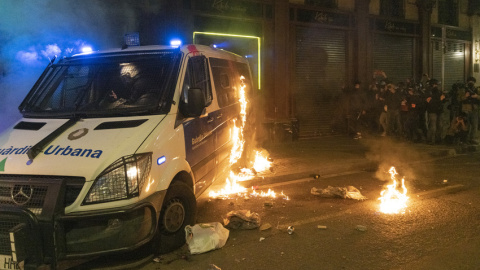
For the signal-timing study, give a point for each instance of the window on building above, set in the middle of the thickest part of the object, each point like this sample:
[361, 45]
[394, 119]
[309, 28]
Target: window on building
[322, 3]
[448, 12]
[392, 8]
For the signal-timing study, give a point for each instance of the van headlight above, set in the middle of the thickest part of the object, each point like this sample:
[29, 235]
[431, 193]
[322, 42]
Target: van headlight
[123, 179]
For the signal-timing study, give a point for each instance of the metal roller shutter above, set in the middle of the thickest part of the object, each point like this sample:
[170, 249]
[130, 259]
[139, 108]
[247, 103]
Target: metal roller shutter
[394, 56]
[454, 64]
[319, 75]
[437, 52]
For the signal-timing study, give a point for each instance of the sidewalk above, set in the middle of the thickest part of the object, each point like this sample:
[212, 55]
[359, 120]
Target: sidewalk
[337, 154]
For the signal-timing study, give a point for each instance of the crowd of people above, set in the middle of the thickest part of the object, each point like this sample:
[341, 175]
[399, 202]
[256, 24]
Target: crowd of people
[418, 112]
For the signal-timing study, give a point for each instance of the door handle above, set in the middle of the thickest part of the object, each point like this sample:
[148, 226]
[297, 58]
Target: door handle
[219, 116]
[209, 119]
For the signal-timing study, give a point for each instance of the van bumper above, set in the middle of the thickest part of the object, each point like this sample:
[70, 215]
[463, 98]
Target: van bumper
[37, 241]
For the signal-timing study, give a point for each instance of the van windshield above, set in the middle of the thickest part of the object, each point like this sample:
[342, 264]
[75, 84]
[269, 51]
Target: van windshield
[105, 85]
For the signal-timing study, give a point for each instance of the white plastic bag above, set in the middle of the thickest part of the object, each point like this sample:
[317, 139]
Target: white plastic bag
[205, 237]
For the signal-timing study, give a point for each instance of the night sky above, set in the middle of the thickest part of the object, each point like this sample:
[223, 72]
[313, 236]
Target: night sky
[33, 31]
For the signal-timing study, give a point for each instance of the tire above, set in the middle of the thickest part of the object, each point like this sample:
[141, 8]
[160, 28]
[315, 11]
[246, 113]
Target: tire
[178, 210]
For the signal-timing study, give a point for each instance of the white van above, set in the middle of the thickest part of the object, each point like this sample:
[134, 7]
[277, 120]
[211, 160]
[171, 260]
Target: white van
[113, 149]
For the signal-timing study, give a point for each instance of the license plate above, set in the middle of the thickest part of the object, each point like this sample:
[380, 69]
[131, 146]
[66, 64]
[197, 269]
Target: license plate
[6, 262]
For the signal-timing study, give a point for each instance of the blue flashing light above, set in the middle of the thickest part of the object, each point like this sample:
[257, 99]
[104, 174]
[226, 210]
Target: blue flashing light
[175, 42]
[86, 49]
[161, 160]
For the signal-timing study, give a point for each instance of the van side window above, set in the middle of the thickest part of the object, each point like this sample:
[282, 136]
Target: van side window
[197, 76]
[244, 71]
[224, 79]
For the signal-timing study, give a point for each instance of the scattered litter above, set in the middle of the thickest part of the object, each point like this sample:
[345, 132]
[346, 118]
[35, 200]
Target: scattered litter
[268, 204]
[290, 229]
[361, 228]
[445, 181]
[265, 227]
[205, 237]
[179, 254]
[261, 239]
[242, 219]
[213, 267]
[323, 227]
[349, 192]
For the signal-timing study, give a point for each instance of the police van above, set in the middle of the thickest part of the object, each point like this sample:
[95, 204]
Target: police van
[113, 149]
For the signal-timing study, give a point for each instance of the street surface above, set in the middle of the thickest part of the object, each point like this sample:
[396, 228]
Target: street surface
[439, 229]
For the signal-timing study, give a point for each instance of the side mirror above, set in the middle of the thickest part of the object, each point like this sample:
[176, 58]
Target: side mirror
[195, 103]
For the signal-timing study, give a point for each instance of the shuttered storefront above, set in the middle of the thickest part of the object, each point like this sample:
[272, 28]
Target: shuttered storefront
[320, 72]
[453, 63]
[394, 55]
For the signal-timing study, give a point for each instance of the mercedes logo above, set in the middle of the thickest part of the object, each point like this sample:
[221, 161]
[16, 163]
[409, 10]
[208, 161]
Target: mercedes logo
[21, 194]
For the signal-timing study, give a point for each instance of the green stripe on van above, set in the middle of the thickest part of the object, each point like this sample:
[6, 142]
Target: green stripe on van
[2, 165]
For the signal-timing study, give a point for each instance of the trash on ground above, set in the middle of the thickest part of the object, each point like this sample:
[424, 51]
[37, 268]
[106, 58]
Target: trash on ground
[265, 226]
[179, 254]
[268, 204]
[205, 237]
[261, 239]
[349, 192]
[242, 219]
[290, 229]
[323, 227]
[213, 267]
[361, 228]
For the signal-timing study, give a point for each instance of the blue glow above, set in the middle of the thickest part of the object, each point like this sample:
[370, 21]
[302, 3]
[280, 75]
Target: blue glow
[161, 160]
[175, 42]
[86, 49]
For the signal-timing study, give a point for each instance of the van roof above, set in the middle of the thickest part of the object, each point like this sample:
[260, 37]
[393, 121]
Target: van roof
[189, 48]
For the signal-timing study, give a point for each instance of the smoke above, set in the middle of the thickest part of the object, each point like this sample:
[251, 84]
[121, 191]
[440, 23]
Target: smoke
[32, 32]
[401, 155]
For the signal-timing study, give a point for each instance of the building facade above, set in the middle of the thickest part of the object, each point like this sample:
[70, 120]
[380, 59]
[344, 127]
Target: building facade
[303, 52]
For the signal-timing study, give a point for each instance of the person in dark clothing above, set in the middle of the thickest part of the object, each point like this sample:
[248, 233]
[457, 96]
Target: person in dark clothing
[356, 109]
[412, 121]
[393, 101]
[469, 103]
[137, 88]
[458, 130]
[435, 100]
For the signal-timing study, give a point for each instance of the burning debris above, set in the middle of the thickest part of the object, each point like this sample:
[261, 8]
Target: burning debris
[349, 192]
[392, 200]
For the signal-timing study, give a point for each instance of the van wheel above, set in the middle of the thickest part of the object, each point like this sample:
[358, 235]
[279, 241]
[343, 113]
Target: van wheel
[178, 210]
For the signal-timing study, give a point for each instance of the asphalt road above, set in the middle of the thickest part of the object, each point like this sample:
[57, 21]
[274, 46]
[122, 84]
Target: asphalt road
[438, 230]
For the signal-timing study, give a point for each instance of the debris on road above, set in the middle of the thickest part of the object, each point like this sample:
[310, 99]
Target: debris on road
[349, 192]
[265, 227]
[361, 228]
[323, 227]
[213, 267]
[242, 219]
[290, 229]
[205, 237]
[261, 239]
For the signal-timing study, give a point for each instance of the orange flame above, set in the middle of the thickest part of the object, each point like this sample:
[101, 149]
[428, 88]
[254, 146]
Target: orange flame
[260, 164]
[393, 201]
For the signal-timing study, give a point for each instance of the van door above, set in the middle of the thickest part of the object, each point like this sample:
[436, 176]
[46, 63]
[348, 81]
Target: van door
[227, 89]
[199, 131]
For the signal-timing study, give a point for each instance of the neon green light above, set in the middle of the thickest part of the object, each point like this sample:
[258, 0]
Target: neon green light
[238, 36]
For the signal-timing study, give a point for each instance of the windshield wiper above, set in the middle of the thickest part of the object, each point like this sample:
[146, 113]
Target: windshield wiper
[38, 147]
